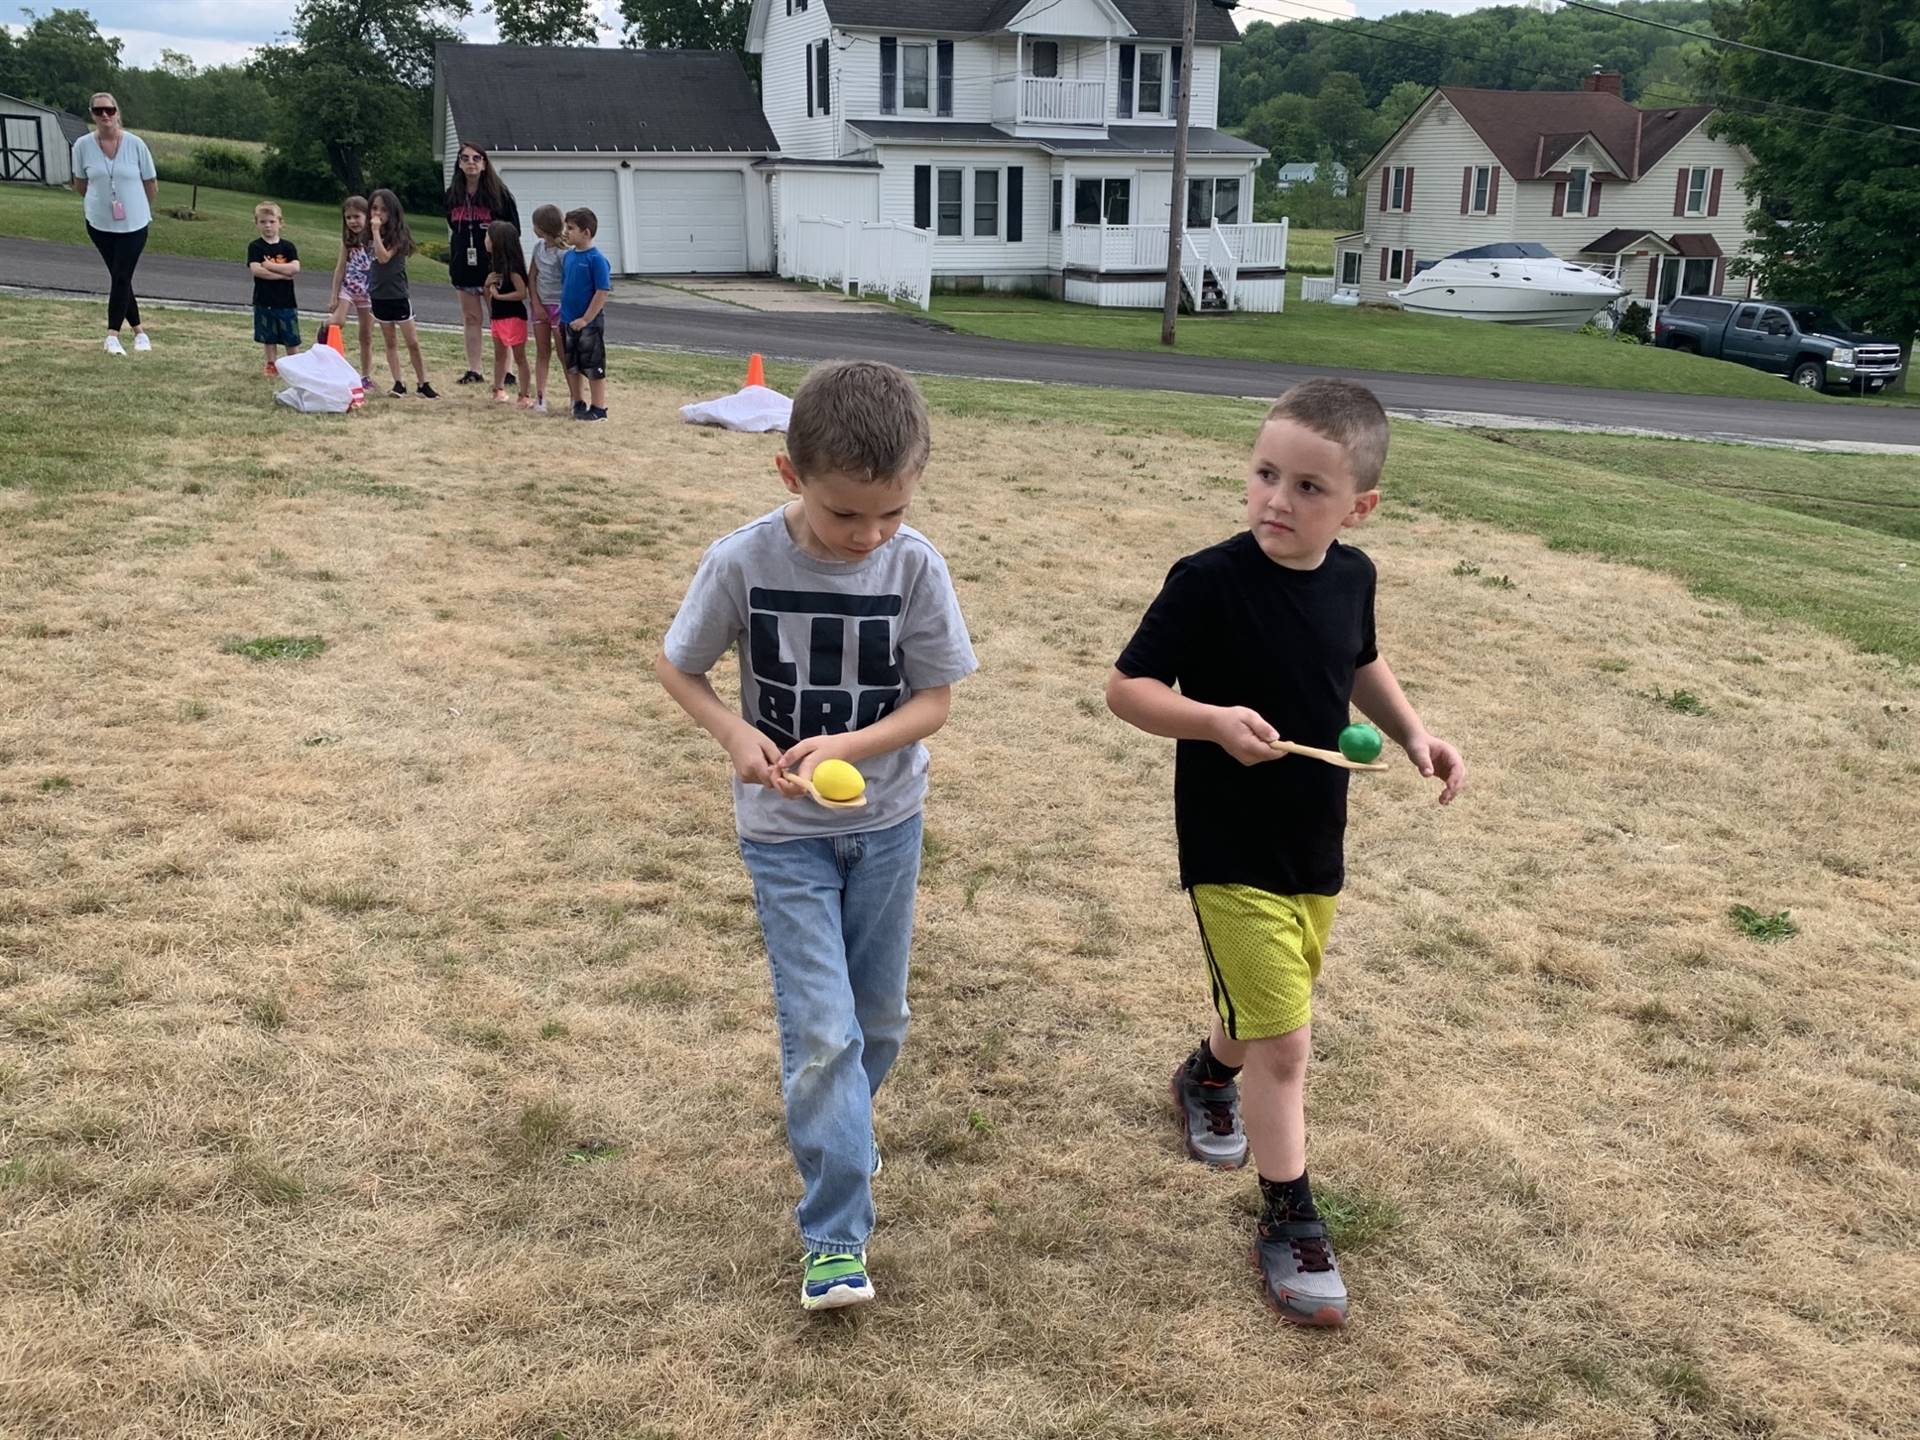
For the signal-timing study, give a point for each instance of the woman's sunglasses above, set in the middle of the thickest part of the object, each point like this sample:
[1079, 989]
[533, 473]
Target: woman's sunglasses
[106, 109]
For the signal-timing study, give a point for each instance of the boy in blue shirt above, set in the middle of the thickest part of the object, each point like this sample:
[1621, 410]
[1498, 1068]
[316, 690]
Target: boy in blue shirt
[850, 641]
[1270, 635]
[586, 281]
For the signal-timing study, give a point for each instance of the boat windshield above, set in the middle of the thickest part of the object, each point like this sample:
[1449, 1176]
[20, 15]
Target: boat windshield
[1507, 250]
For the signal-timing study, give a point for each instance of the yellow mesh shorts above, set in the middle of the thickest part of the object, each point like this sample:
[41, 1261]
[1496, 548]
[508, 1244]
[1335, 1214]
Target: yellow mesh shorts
[1263, 955]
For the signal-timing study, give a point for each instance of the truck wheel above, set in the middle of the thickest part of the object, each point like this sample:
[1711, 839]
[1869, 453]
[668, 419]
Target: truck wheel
[1812, 374]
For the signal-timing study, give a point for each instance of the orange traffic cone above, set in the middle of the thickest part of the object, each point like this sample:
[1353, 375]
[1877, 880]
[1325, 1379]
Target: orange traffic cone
[756, 371]
[337, 339]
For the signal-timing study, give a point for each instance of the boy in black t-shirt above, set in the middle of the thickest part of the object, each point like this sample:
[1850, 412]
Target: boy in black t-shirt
[1270, 635]
[274, 262]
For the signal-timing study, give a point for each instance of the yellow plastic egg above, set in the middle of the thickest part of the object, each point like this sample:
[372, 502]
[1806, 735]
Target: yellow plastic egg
[837, 780]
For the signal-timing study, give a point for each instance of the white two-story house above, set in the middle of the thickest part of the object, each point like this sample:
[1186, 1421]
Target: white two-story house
[1644, 193]
[1033, 139]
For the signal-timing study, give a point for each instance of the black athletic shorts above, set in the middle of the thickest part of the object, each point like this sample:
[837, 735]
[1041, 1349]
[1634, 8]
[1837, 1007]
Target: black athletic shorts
[585, 351]
[393, 312]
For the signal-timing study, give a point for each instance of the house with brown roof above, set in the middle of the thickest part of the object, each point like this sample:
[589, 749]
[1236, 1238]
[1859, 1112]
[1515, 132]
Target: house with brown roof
[1643, 193]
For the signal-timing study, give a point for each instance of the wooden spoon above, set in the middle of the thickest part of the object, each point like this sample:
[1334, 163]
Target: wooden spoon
[1332, 757]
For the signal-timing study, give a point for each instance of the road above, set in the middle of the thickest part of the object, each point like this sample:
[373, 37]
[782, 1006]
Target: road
[669, 322]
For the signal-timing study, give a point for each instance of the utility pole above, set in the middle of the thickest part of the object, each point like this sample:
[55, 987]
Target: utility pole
[1177, 204]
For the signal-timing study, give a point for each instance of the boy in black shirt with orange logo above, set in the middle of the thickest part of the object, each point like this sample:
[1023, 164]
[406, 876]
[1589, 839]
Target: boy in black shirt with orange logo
[1270, 635]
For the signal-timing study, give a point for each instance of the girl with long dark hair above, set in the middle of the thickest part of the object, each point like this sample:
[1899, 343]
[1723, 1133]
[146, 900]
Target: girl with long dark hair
[475, 199]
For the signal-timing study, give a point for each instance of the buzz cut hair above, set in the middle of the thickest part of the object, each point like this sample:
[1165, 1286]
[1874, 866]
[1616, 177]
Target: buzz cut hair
[584, 219]
[1346, 413]
[264, 209]
[861, 420]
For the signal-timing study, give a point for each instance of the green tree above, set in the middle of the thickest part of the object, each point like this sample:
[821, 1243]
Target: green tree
[13, 75]
[354, 83]
[1394, 111]
[62, 59]
[686, 24]
[547, 22]
[1351, 130]
[1837, 217]
[1286, 128]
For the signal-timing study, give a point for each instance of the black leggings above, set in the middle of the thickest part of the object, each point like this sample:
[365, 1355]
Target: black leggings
[121, 250]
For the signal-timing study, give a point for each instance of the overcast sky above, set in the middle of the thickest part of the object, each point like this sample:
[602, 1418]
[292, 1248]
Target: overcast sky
[214, 31]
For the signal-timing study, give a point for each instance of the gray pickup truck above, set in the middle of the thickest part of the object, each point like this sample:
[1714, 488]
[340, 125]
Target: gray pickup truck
[1808, 344]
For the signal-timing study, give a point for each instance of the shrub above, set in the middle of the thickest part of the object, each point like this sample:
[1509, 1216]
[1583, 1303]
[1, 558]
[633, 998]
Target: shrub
[1634, 324]
[226, 166]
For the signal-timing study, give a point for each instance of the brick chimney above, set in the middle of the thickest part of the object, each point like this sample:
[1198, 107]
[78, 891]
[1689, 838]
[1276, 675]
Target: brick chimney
[1605, 81]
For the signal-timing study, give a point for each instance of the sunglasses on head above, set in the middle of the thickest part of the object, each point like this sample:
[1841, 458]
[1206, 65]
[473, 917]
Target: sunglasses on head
[106, 109]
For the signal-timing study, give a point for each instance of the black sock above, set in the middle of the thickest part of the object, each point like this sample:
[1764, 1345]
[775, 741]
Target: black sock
[1208, 1069]
[1289, 1199]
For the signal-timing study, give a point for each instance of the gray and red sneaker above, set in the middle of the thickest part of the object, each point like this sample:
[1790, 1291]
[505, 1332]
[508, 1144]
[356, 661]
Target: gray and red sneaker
[1299, 1278]
[1209, 1118]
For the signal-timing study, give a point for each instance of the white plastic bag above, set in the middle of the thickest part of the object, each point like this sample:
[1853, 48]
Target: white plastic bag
[755, 408]
[319, 382]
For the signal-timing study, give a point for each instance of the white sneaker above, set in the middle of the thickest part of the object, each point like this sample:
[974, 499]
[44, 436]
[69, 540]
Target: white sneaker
[114, 347]
[141, 343]
[539, 407]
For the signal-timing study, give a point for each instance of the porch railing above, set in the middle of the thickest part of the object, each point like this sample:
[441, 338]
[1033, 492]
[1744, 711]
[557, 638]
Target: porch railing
[1045, 100]
[883, 257]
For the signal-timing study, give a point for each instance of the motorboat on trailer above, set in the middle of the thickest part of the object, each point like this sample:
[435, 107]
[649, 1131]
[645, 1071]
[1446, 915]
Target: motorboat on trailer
[1513, 283]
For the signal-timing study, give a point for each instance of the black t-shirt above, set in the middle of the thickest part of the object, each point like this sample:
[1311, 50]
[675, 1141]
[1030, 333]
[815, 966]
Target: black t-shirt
[1231, 627]
[274, 294]
[510, 309]
[467, 221]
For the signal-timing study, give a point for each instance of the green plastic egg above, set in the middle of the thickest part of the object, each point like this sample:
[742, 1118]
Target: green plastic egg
[1360, 744]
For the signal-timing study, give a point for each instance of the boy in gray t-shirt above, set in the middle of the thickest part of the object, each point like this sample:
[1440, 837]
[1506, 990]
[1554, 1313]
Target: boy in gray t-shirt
[850, 639]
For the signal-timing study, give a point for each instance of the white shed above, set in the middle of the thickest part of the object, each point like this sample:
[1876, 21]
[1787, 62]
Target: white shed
[661, 145]
[36, 142]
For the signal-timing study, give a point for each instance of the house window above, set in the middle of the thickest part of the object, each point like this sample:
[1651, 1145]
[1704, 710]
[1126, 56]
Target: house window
[1577, 190]
[1482, 188]
[986, 204]
[1110, 199]
[915, 92]
[1210, 200]
[951, 207]
[1046, 58]
[1153, 83]
[1697, 190]
[1691, 276]
[1349, 269]
[1396, 264]
[1397, 192]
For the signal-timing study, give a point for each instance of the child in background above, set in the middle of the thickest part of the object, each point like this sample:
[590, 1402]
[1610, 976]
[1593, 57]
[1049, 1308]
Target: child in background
[507, 291]
[273, 261]
[1270, 635]
[391, 243]
[584, 289]
[546, 276]
[350, 275]
[850, 640]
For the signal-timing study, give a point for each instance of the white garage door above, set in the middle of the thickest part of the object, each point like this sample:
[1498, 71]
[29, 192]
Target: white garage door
[691, 221]
[596, 190]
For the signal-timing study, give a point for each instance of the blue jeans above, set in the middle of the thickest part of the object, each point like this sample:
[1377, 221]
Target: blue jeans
[837, 917]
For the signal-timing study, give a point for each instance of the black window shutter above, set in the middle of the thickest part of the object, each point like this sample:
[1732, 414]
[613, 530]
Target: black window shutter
[1126, 82]
[923, 197]
[824, 90]
[944, 52]
[1058, 189]
[806, 63]
[1173, 83]
[1016, 204]
[889, 70]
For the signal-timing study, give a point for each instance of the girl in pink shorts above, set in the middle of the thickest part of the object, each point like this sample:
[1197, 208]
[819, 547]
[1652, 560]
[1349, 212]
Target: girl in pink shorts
[546, 275]
[507, 294]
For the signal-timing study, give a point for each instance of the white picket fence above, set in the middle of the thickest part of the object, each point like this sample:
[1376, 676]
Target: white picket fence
[875, 257]
[1316, 287]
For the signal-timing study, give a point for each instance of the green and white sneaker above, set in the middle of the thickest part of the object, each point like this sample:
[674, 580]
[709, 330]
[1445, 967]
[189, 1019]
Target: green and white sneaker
[835, 1278]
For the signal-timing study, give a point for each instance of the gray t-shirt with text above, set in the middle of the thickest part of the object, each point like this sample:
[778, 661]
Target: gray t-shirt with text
[825, 648]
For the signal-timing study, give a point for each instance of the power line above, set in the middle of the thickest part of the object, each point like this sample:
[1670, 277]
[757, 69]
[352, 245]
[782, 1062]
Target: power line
[1742, 45]
[1728, 102]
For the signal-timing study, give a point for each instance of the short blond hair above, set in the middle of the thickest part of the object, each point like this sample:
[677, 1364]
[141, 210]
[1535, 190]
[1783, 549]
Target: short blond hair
[264, 209]
[859, 419]
[1346, 413]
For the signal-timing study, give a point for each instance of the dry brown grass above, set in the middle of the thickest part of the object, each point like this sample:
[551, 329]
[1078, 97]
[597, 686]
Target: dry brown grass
[384, 1047]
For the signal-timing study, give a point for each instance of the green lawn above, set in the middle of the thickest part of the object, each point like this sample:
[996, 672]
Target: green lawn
[1825, 540]
[170, 147]
[1310, 252]
[221, 231]
[1370, 338]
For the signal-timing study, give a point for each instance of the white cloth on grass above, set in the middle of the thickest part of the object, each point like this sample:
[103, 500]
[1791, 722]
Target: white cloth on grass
[755, 408]
[319, 382]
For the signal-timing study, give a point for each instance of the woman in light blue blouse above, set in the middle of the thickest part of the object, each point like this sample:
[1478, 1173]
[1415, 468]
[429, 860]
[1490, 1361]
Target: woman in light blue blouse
[113, 171]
